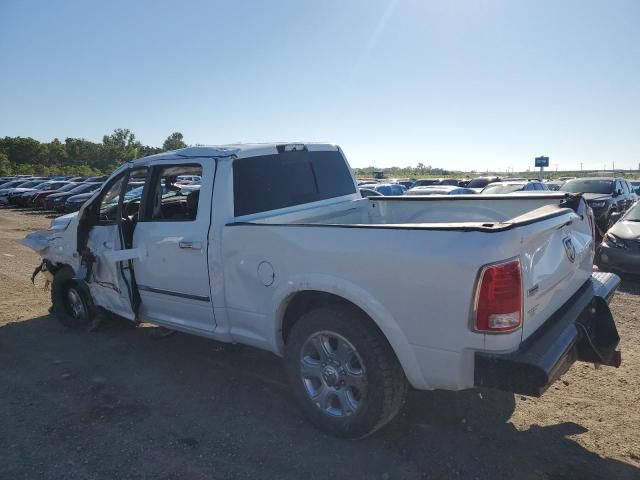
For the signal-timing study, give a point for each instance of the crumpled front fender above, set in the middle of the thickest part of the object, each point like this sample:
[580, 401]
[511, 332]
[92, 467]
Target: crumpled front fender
[57, 247]
[38, 241]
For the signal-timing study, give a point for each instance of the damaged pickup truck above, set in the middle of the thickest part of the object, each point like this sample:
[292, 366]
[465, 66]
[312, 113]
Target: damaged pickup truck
[275, 248]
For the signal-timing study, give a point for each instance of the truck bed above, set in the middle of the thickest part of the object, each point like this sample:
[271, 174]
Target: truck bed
[495, 212]
[431, 246]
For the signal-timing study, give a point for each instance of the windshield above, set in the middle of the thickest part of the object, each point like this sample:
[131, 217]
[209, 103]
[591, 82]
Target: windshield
[84, 188]
[67, 187]
[31, 184]
[588, 186]
[633, 214]
[12, 184]
[50, 186]
[502, 188]
[478, 183]
[135, 193]
[450, 181]
[424, 183]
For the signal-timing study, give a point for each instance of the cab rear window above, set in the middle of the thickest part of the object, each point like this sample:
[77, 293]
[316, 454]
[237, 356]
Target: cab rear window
[270, 182]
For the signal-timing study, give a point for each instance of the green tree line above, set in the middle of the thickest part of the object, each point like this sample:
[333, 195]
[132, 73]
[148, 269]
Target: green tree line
[419, 171]
[76, 156]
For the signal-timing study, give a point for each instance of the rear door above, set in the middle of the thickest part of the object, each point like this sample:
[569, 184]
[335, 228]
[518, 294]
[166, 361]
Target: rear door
[173, 229]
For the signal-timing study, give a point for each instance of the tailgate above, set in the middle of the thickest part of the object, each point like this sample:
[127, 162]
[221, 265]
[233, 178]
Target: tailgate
[556, 259]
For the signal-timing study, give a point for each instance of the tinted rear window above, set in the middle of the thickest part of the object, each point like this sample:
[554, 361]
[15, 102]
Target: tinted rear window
[281, 180]
[588, 186]
[478, 183]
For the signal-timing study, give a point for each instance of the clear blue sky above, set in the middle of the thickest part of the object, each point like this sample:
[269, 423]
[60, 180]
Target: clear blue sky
[474, 84]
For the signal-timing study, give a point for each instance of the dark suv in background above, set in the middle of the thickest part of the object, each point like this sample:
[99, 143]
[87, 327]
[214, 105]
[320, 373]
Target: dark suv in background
[604, 195]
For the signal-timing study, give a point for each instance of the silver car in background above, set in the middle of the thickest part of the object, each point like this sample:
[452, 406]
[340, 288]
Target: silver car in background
[619, 251]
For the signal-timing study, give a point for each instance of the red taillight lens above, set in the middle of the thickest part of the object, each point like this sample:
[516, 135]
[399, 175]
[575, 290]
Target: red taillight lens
[499, 298]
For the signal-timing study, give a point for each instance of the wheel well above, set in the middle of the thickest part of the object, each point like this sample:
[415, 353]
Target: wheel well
[307, 300]
[54, 267]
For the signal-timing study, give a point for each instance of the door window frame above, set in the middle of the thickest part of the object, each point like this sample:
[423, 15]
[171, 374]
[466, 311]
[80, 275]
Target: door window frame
[92, 209]
[125, 176]
[146, 201]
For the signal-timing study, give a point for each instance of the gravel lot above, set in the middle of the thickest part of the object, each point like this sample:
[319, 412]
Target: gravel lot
[126, 402]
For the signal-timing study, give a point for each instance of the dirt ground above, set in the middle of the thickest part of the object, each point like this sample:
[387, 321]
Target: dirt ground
[128, 403]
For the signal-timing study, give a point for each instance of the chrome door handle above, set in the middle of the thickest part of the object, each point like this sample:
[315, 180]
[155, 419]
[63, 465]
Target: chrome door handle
[192, 245]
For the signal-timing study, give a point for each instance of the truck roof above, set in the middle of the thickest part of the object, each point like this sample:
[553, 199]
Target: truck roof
[239, 150]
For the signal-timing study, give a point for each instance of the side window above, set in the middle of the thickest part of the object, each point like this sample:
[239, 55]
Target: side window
[108, 209]
[171, 196]
[109, 201]
[133, 193]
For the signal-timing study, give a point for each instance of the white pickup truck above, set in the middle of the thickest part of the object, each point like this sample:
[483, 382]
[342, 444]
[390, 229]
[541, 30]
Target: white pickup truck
[363, 297]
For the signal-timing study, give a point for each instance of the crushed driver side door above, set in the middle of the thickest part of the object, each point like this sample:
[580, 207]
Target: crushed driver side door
[106, 263]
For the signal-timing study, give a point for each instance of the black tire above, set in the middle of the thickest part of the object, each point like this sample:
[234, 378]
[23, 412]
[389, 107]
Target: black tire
[386, 385]
[62, 286]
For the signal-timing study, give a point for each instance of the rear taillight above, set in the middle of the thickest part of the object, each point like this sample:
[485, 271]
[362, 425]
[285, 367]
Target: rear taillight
[499, 297]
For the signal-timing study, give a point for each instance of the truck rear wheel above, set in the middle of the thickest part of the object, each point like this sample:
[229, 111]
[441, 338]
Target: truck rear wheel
[343, 372]
[71, 301]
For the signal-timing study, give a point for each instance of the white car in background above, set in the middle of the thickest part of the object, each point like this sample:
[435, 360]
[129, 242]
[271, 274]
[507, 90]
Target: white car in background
[528, 186]
[386, 189]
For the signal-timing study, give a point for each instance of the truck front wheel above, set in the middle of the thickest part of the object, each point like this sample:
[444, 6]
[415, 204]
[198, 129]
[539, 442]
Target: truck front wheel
[343, 372]
[70, 299]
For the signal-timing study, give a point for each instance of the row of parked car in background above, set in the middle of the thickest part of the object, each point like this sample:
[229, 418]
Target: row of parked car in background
[45, 192]
[483, 185]
[65, 194]
[613, 200]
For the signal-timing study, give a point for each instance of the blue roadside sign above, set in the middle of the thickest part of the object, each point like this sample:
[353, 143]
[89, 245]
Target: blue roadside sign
[542, 161]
